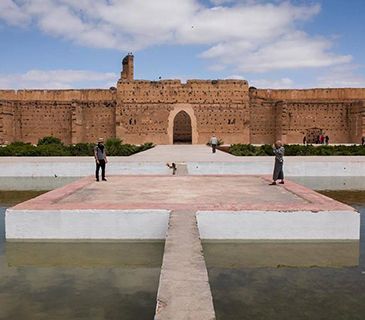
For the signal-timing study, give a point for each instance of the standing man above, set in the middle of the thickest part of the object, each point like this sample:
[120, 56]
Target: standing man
[100, 158]
[278, 150]
[213, 142]
[326, 139]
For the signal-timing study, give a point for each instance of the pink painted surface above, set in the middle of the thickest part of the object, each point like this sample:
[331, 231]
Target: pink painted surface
[229, 192]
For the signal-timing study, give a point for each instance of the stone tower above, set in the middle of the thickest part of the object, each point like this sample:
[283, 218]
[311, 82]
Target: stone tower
[128, 68]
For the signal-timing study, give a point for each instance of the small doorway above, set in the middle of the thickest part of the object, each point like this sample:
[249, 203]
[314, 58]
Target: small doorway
[182, 128]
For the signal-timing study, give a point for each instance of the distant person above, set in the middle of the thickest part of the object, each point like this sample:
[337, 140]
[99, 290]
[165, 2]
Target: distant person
[173, 167]
[326, 139]
[362, 141]
[318, 140]
[278, 173]
[305, 140]
[213, 142]
[100, 159]
[321, 139]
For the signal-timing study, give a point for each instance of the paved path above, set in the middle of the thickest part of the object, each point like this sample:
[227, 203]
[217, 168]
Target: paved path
[184, 291]
[182, 153]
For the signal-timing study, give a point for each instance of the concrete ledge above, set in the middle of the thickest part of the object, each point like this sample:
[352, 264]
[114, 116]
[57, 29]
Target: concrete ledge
[301, 225]
[141, 164]
[75, 166]
[310, 166]
[86, 224]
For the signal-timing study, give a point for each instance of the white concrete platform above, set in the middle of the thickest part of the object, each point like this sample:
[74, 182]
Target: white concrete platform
[137, 207]
[86, 224]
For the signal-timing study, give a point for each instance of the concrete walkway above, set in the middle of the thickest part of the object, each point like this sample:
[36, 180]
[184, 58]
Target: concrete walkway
[182, 153]
[184, 291]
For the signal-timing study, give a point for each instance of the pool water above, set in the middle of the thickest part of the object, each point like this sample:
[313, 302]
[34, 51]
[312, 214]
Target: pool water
[76, 280]
[290, 280]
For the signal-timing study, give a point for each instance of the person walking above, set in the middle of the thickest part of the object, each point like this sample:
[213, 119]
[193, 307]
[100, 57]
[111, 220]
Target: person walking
[278, 173]
[213, 142]
[100, 159]
[326, 139]
[321, 139]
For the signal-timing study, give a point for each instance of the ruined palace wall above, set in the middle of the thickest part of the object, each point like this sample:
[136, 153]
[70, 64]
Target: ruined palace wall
[337, 94]
[333, 118]
[144, 109]
[263, 122]
[27, 115]
[337, 112]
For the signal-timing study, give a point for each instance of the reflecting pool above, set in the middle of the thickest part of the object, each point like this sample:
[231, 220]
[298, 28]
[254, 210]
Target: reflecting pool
[76, 280]
[290, 280]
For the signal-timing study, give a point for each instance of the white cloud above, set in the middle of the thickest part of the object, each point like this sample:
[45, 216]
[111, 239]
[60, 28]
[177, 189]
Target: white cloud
[341, 76]
[12, 14]
[254, 35]
[283, 83]
[57, 79]
[292, 51]
[235, 77]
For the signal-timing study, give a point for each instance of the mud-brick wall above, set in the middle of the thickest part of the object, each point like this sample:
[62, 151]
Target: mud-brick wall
[230, 122]
[336, 94]
[144, 108]
[263, 121]
[332, 118]
[356, 113]
[37, 119]
[28, 115]
[93, 120]
[8, 114]
[138, 123]
[335, 112]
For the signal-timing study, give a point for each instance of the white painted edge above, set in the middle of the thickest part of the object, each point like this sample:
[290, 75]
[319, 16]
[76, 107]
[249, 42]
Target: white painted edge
[271, 225]
[86, 224]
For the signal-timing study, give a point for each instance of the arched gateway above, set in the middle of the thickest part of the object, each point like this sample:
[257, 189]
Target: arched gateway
[182, 128]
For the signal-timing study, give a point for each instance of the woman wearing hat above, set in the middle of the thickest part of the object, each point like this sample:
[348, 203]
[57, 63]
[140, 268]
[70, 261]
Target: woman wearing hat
[278, 173]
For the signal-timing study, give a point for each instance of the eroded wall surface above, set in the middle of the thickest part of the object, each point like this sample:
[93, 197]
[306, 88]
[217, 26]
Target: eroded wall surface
[290, 115]
[144, 111]
[71, 115]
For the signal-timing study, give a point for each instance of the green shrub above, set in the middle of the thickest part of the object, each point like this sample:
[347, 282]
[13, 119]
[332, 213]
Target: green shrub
[50, 146]
[82, 149]
[298, 150]
[49, 140]
[52, 150]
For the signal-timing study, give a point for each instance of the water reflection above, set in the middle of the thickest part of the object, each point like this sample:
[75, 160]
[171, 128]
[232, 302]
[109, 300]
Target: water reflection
[34, 183]
[73, 280]
[282, 280]
[244, 254]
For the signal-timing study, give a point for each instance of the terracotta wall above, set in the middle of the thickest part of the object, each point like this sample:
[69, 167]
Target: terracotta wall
[71, 115]
[144, 111]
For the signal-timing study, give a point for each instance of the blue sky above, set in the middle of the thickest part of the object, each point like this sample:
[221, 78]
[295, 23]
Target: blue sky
[272, 44]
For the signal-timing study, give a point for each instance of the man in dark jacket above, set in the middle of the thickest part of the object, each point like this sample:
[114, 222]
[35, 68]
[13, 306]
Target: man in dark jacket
[100, 159]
